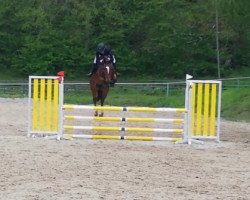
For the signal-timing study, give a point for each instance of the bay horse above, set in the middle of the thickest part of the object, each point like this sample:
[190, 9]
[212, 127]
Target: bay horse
[104, 77]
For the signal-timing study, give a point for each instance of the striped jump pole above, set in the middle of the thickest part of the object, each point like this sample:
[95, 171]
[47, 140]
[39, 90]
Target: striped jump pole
[118, 137]
[123, 119]
[124, 129]
[124, 109]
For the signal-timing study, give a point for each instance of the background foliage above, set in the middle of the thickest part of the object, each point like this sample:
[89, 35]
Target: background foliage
[166, 37]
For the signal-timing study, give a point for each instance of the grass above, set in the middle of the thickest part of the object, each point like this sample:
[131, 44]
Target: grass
[236, 104]
[235, 101]
[244, 71]
[13, 92]
[131, 97]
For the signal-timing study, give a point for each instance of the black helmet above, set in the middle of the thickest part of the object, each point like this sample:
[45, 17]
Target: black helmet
[107, 49]
[100, 48]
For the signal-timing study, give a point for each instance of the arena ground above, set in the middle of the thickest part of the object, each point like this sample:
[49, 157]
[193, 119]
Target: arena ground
[39, 169]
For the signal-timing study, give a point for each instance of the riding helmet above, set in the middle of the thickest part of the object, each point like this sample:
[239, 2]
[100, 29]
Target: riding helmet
[107, 49]
[100, 48]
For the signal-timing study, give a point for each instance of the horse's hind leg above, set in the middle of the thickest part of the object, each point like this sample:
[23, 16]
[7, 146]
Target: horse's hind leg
[95, 101]
[102, 103]
[103, 97]
[95, 111]
[102, 113]
[94, 90]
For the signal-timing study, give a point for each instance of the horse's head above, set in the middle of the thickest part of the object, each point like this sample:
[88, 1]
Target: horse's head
[106, 72]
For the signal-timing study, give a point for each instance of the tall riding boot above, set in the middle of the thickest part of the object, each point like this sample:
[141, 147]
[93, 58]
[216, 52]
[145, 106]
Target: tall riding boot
[117, 73]
[93, 70]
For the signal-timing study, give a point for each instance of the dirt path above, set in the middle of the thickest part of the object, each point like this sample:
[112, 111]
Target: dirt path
[36, 169]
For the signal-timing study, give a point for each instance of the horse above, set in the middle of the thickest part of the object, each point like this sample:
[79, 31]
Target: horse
[104, 77]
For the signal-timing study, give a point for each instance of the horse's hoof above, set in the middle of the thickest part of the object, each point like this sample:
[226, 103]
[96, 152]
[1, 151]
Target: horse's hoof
[101, 115]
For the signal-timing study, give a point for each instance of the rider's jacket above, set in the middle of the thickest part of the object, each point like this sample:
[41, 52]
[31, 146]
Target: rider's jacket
[99, 56]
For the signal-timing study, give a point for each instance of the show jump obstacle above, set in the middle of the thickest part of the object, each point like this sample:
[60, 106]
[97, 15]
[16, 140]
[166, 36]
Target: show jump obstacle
[48, 115]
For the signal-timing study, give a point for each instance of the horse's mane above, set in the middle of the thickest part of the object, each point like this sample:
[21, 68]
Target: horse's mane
[105, 60]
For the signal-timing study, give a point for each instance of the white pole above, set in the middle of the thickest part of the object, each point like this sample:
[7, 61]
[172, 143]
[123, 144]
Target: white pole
[187, 108]
[217, 37]
[219, 111]
[60, 113]
[29, 107]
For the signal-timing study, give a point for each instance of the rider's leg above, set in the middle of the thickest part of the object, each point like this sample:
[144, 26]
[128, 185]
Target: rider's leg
[117, 73]
[93, 70]
[114, 78]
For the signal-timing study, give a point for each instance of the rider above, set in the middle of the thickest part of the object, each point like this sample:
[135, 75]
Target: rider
[102, 50]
